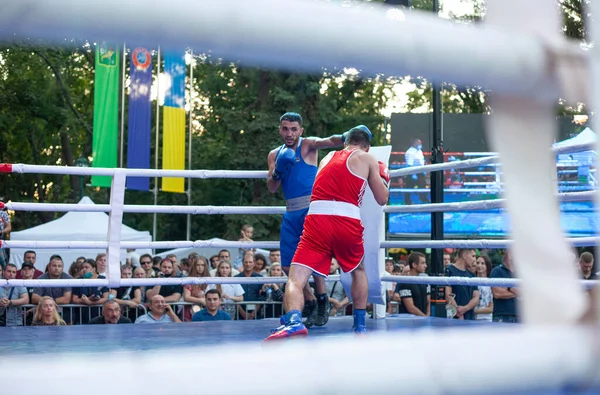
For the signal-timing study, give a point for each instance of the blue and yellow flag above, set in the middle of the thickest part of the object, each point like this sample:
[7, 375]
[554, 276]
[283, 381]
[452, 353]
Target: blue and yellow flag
[173, 157]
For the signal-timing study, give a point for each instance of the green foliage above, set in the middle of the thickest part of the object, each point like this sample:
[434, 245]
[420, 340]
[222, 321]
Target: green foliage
[240, 126]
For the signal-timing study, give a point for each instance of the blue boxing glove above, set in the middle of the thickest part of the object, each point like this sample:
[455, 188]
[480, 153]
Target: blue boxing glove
[283, 161]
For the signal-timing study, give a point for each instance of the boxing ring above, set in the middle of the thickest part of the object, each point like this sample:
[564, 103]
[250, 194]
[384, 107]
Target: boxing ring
[523, 61]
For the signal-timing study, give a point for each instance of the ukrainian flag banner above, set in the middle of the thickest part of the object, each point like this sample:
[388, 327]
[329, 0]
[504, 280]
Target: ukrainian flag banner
[173, 153]
[106, 111]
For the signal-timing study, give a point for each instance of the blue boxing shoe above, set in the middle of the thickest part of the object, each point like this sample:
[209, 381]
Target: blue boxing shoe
[291, 325]
[360, 327]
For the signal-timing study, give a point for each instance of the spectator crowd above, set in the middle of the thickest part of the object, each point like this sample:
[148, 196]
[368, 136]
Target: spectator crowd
[210, 302]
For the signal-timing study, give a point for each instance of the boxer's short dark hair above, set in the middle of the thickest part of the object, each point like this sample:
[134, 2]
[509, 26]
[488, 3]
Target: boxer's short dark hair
[291, 117]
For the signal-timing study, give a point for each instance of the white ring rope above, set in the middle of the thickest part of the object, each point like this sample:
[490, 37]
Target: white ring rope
[132, 208]
[476, 244]
[105, 171]
[586, 196]
[454, 243]
[139, 244]
[214, 210]
[252, 174]
[462, 164]
[474, 281]
[470, 281]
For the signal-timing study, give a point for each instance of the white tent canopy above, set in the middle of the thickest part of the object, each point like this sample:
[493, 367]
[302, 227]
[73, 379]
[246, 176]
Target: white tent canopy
[73, 226]
[585, 157]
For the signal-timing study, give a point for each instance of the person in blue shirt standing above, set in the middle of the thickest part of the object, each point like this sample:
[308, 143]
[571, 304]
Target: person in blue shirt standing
[465, 298]
[505, 298]
[212, 311]
[293, 166]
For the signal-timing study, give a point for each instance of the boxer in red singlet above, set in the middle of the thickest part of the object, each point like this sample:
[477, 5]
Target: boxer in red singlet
[333, 228]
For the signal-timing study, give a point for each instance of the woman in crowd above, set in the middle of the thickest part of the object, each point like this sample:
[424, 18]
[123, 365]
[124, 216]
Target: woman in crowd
[100, 264]
[229, 292]
[194, 293]
[89, 296]
[260, 264]
[485, 308]
[75, 270]
[273, 292]
[46, 313]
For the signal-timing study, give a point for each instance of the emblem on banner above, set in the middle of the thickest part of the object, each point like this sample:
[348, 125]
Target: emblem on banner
[108, 55]
[141, 58]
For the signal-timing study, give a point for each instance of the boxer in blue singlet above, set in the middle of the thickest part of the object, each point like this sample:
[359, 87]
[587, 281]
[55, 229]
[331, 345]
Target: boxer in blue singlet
[293, 165]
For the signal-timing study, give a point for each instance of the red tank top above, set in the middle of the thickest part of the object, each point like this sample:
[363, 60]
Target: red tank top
[336, 182]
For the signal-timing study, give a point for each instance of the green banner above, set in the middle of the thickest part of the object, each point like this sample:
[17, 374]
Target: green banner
[106, 111]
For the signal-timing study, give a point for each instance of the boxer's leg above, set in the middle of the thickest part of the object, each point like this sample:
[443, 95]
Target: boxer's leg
[293, 303]
[360, 293]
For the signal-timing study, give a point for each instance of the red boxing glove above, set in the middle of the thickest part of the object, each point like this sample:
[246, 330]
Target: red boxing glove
[384, 173]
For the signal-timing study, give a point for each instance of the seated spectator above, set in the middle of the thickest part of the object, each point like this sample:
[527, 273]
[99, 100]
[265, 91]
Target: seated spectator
[273, 292]
[274, 256]
[160, 312]
[212, 311]
[27, 272]
[46, 313]
[184, 266]
[139, 272]
[29, 259]
[11, 298]
[249, 311]
[146, 262]
[76, 269]
[60, 295]
[171, 293]
[111, 314]
[194, 293]
[389, 266]
[89, 296]
[129, 296]
[230, 293]
[260, 264]
[335, 291]
[100, 264]
[156, 264]
[586, 266]
[214, 262]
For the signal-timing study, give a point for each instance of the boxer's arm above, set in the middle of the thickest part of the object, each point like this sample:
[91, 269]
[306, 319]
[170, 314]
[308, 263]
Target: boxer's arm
[317, 143]
[379, 189]
[272, 185]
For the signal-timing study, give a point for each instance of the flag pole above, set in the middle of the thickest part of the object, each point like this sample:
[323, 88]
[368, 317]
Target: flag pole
[189, 191]
[122, 108]
[154, 230]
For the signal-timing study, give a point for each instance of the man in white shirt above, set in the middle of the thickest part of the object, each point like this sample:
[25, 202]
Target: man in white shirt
[414, 157]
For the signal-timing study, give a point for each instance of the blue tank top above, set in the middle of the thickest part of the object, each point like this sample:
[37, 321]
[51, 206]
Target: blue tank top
[301, 177]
